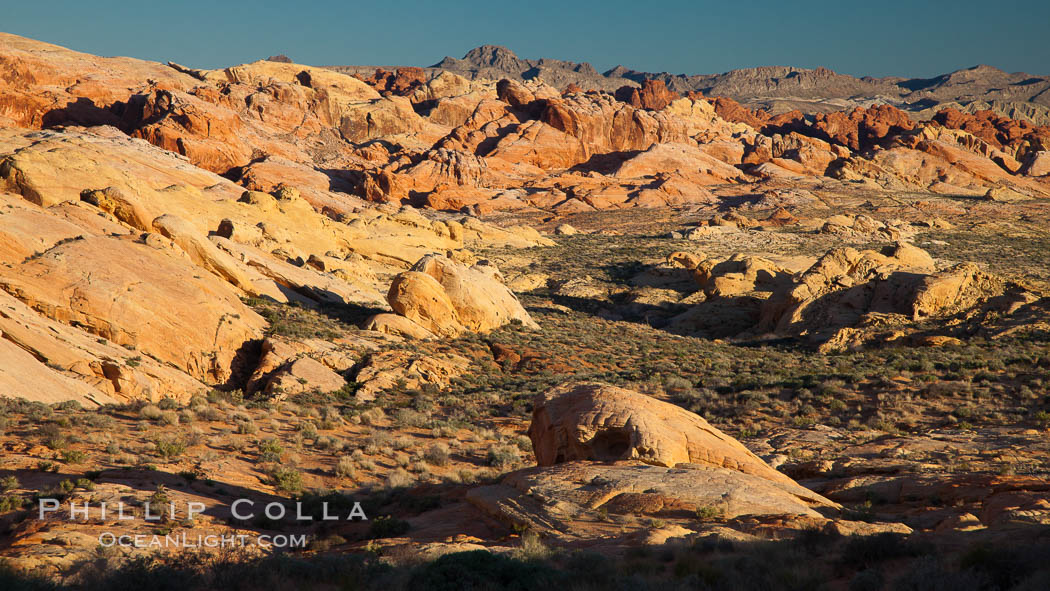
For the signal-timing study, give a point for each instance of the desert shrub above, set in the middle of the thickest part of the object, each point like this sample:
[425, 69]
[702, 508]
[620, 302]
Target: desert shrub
[709, 512]
[270, 450]
[73, 456]
[151, 412]
[481, 569]
[868, 551]
[71, 405]
[95, 420]
[345, 467]
[54, 437]
[399, 478]
[169, 447]
[437, 454]
[378, 443]
[385, 526]
[402, 442]
[503, 456]
[46, 466]
[286, 479]
[246, 426]
[532, 548]
[208, 413]
[327, 442]
[168, 417]
[307, 429]
[10, 503]
[406, 417]
[8, 483]
[330, 419]
[372, 416]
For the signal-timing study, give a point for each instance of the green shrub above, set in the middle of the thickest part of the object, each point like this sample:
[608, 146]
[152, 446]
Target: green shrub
[270, 450]
[503, 456]
[54, 437]
[73, 456]
[386, 526]
[8, 483]
[10, 503]
[169, 447]
[287, 479]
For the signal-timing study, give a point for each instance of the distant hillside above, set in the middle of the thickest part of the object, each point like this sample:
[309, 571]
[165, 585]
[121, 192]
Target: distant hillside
[778, 88]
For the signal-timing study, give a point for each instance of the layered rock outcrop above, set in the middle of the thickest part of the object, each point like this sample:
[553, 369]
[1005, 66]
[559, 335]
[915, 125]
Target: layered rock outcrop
[603, 448]
[125, 267]
[653, 95]
[846, 299]
[440, 140]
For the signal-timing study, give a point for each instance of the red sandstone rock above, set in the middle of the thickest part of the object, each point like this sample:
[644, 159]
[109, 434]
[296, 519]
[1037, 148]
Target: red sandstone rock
[653, 95]
[401, 83]
[999, 131]
[572, 88]
[860, 129]
[730, 110]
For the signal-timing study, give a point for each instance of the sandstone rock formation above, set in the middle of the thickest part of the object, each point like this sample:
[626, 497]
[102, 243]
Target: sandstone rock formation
[605, 448]
[653, 95]
[446, 298]
[389, 369]
[846, 299]
[597, 422]
[781, 88]
[846, 289]
[439, 140]
[125, 265]
[402, 82]
[418, 297]
[112, 157]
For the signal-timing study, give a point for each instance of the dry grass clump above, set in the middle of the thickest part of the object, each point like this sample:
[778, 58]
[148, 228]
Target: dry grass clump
[437, 454]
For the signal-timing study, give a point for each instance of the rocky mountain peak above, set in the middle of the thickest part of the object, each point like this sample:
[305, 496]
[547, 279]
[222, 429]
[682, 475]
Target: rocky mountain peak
[495, 56]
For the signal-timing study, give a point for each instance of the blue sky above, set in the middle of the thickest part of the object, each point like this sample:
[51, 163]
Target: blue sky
[880, 37]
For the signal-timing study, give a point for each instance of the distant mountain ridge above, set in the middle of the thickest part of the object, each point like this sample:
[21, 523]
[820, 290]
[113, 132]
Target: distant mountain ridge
[777, 88]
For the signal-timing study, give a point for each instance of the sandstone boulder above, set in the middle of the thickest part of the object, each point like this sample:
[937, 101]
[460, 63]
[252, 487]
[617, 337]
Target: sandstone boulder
[738, 275]
[446, 297]
[605, 449]
[304, 374]
[114, 201]
[1038, 164]
[598, 422]
[419, 298]
[23, 375]
[850, 297]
